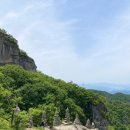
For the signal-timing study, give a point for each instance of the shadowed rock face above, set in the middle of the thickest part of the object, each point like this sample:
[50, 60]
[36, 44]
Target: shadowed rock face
[10, 54]
[98, 116]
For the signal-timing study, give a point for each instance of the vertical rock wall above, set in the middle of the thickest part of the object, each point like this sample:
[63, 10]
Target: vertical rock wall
[10, 54]
[98, 116]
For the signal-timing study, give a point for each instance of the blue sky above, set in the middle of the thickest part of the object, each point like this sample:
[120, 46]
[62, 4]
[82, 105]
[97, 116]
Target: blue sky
[86, 41]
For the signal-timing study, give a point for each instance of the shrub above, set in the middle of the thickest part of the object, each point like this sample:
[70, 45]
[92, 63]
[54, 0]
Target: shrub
[8, 37]
[4, 124]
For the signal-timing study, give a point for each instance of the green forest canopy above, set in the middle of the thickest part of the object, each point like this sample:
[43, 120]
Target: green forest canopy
[118, 109]
[36, 92]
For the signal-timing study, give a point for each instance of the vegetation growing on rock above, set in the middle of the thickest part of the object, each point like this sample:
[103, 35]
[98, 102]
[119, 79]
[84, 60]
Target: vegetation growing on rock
[3, 31]
[8, 37]
[24, 54]
[118, 110]
[10, 52]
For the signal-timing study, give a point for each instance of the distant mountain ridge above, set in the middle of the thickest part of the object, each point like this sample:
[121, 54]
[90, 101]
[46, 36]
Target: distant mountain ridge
[109, 87]
[114, 97]
[118, 107]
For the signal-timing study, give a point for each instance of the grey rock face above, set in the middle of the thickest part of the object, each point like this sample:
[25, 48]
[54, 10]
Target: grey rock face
[27, 63]
[98, 118]
[76, 125]
[93, 125]
[10, 54]
[56, 121]
[31, 121]
[67, 116]
[88, 124]
[44, 119]
[77, 121]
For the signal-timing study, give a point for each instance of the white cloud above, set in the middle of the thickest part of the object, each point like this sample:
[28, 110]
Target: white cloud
[51, 43]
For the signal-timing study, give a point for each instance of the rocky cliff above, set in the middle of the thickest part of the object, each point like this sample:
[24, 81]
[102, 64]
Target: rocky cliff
[98, 116]
[11, 54]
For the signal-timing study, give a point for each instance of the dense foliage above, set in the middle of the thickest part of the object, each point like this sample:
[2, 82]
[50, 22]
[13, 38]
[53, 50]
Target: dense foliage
[7, 36]
[23, 54]
[118, 110]
[35, 92]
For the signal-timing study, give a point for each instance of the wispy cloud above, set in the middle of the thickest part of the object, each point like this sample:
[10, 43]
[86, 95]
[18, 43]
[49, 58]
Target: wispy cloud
[52, 32]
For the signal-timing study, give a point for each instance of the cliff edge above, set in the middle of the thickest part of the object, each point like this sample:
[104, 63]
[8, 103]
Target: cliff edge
[11, 54]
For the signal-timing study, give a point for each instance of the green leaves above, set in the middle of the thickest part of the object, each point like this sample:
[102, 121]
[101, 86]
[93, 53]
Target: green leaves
[8, 37]
[4, 124]
[35, 92]
[118, 106]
